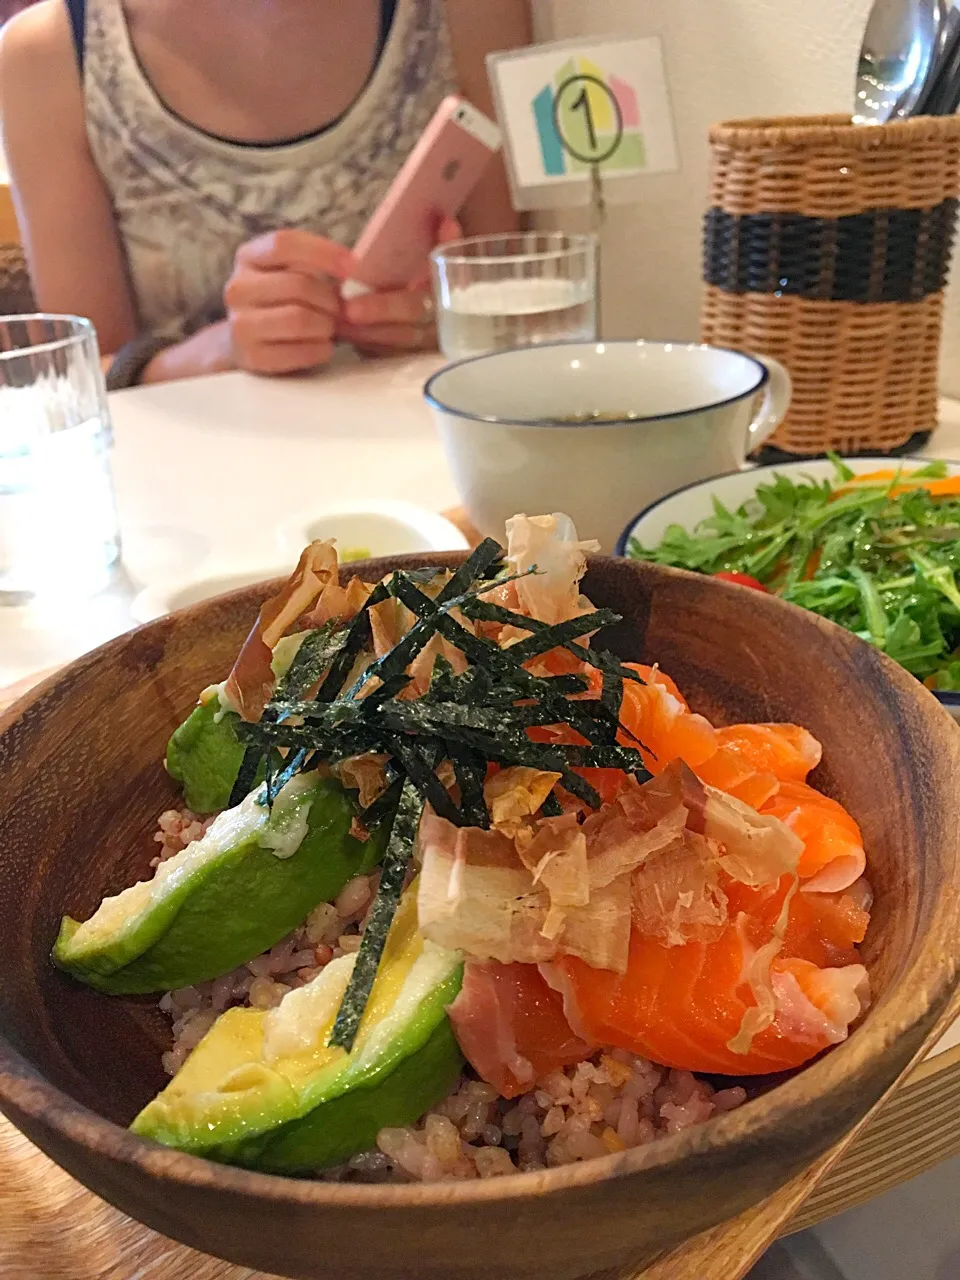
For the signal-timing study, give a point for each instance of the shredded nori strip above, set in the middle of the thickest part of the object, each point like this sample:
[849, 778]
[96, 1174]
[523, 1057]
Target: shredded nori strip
[551, 807]
[357, 637]
[470, 769]
[393, 870]
[476, 565]
[473, 719]
[561, 633]
[487, 611]
[317, 650]
[423, 776]
[247, 774]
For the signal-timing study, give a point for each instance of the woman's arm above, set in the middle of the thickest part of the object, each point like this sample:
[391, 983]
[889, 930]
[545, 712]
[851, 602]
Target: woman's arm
[66, 221]
[280, 310]
[68, 229]
[479, 27]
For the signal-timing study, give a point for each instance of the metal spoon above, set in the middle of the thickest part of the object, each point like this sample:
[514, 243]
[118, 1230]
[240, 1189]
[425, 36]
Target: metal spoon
[941, 95]
[900, 46]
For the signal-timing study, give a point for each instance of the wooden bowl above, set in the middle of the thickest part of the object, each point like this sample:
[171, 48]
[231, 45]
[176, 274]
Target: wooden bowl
[81, 788]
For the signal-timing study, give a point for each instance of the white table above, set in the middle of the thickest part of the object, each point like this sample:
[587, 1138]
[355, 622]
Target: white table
[206, 470]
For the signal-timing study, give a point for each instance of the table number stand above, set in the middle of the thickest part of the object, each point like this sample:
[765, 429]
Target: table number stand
[583, 123]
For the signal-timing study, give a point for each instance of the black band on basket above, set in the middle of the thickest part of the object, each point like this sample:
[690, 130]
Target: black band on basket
[883, 255]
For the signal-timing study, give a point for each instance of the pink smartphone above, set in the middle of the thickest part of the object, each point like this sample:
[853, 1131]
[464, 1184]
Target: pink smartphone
[436, 178]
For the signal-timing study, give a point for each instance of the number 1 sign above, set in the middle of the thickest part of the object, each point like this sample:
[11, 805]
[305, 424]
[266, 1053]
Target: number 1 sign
[578, 110]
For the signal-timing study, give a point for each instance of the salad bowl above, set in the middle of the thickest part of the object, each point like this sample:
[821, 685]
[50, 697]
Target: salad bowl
[685, 508]
[80, 785]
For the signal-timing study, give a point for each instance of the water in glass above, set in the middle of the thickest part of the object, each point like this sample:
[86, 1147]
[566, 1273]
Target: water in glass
[495, 292]
[58, 523]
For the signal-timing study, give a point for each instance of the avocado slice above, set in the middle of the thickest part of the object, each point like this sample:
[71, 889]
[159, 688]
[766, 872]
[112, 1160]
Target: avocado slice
[204, 754]
[227, 897]
[264, 1090]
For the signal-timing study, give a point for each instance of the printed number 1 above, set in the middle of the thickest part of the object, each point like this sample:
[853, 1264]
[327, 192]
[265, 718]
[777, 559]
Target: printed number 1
[582, 103]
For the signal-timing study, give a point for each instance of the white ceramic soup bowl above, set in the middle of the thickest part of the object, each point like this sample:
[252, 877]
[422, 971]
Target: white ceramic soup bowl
[599, 429]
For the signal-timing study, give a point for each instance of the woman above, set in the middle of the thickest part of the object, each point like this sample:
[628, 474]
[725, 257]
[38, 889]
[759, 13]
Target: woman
[188, 173]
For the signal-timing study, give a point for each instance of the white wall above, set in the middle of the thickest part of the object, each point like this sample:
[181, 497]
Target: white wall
[724, 58]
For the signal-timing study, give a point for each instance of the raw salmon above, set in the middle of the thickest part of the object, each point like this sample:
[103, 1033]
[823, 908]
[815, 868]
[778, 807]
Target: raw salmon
[752, 760]
[729, 771]
[823, 928]
[511, 1026]
[788, 751]
[833, 856]
[683, 1005]
[657, 714]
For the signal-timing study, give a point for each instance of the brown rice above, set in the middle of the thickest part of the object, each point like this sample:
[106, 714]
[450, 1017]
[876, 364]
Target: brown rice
[613, 1101]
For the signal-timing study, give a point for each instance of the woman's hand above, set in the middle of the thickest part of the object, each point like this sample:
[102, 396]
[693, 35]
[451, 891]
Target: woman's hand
[283, 301]
[395, 320]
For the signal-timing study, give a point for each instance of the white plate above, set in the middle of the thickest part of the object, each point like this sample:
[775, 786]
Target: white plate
[688, 506]
[377, 528]
[165, 597]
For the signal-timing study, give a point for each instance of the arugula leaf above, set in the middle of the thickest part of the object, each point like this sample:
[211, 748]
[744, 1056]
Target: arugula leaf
[885, 566]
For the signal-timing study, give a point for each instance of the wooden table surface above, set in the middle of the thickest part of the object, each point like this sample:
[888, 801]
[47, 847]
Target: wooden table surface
[52, 1228]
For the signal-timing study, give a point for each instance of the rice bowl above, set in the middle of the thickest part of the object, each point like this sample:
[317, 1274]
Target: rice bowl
[575, 1218]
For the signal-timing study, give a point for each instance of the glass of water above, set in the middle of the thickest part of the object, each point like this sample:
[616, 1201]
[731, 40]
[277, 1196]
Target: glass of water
[494, 292]
[58, 521]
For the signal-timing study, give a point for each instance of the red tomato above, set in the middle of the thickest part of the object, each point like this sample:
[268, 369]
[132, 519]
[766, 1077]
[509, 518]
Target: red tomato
[742, 580]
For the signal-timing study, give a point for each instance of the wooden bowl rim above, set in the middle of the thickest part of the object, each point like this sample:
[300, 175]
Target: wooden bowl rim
[931, 981]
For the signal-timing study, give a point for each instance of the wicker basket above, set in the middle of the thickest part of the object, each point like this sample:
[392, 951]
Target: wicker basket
[826, 246]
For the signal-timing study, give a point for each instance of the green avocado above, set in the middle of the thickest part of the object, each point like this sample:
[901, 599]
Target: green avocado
[264, 1090]
[204, 754]
[227, 897]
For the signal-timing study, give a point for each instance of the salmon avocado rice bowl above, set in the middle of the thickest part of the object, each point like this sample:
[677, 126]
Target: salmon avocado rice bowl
[455, 892]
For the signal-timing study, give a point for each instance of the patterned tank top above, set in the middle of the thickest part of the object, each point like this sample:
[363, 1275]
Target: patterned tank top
[185, 200]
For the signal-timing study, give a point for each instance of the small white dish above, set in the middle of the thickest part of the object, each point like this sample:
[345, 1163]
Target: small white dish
[165, 597]
[375, 527]
[362, 530]
[693, 503]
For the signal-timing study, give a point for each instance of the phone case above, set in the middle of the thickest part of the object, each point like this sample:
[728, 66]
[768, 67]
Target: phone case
[435, 179]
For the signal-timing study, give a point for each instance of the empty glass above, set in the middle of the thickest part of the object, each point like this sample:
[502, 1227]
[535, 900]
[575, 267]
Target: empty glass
[494, 292]
[58, 522]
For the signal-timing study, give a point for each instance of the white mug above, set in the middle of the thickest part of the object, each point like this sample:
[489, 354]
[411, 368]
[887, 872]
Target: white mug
[599, 429]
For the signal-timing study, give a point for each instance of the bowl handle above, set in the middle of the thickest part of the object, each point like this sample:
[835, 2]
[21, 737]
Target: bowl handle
[776, 402]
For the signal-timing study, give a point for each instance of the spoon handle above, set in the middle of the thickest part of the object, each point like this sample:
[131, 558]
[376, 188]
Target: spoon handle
[940, 89]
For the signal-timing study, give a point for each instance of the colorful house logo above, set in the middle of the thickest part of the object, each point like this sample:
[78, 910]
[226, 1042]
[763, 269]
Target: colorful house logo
[587, 118]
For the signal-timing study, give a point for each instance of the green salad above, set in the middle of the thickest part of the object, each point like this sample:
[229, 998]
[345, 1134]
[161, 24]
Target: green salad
[878, 554]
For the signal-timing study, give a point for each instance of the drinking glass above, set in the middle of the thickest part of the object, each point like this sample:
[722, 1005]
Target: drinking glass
[58, 521]
[494, 292]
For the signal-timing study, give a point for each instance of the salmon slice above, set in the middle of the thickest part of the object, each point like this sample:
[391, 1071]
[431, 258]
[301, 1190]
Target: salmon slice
[833, 856]
[788, 751]
[658, 715]
[682, 1005]
[753, 759]
[511, 1026]
[729, 771]
[822, 928]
